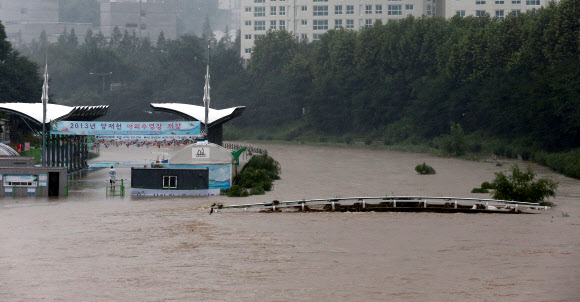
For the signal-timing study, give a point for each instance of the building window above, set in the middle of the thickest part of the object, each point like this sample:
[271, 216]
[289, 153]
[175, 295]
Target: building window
[394, 10]
[320, 1]
[350, 9]
[303, 37]
[532, 2]
[320, 24]
[259, 11]
[516, 2]
[378, 9]
[460, 13]
[368, 22]
[143, 13]
[131, 25]
[428, 9]
[248, 23]
[272, 11]
[282, 24]
[368, 9]
[338, 9]
[320, 11]
[499, 13]
[349, 24]
[304, 8]
[479, 13]
[282, 10]
[516, 12]
[273, 24]
[260, 25]
[143, 26]
[479, 2]
[499, 1]
[248, 50]
[248, 37]
[258, 37]
[316, 36]
[248, 9]
[169, 182]
[337, 24]
[408, 6]
[24, 11]
[303, 22]
[259, 1]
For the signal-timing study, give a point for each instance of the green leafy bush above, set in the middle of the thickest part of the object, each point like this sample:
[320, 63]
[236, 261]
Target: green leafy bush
[486, 185]
[258, 176]
[520, 186]
[424, 169]
[479, 190]
[455, 143]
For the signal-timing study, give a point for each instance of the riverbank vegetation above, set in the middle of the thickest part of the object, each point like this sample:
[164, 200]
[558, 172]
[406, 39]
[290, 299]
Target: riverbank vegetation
[256, 178]
[522, 186]
[458, 87]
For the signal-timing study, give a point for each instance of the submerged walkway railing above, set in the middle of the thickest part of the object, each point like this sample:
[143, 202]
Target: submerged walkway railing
[390, 204]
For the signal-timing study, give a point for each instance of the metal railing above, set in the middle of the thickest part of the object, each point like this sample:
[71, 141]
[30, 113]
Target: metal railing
[388, 202]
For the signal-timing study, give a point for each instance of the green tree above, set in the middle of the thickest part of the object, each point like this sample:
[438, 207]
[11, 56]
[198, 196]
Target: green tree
[520, 186]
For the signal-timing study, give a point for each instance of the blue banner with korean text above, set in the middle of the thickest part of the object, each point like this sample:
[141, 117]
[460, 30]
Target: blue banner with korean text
[129, 130]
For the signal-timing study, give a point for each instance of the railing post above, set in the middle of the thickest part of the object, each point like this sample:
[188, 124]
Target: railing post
[455, 204]
[333, 205]
[486, 205]
[425, 203]
[364, 204]
[302, 206]
[394, 203]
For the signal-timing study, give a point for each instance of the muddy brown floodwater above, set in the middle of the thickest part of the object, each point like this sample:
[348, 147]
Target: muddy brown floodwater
[88, 247]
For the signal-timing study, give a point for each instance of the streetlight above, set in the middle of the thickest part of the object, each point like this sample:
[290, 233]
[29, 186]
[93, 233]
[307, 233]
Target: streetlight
[102, 75]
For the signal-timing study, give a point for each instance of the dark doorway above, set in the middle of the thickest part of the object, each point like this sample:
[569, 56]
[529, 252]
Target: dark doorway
[53, 183]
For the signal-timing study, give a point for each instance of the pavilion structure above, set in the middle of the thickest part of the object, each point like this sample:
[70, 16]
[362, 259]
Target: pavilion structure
[69, 151]
[216, 117]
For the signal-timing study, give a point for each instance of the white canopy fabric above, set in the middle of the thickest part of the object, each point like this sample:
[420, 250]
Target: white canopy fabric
[197, 112]
[5, 150]
[53, 111]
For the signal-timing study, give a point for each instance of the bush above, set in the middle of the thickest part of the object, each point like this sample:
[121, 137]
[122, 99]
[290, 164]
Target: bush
[479, 190]
[257, 191]
[486, 185]
[237, 191]
[424, 169]
[455, 143]
[258, 176]
[520, 186]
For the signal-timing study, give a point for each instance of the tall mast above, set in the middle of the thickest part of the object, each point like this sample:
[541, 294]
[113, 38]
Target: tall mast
[44, 99]
[206, 97]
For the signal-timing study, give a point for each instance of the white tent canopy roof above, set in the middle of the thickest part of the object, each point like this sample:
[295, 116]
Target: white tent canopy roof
[198, 112]
[53, 111]
[5, 150]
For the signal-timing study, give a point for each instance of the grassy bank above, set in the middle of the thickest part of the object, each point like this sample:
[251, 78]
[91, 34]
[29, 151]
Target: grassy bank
[34, 153]
[475, 146]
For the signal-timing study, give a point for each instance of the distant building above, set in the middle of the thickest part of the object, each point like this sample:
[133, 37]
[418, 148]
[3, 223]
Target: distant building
[26, 19]
[310, 19]
[493, 8]
[146, 18]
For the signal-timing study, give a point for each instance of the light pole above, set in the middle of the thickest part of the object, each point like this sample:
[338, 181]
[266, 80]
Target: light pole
[102, 75]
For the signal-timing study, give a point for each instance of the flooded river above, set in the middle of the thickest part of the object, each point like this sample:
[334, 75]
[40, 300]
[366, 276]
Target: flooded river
[89, 247]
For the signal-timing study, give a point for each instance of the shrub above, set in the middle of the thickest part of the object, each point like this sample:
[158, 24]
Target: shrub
[257, 191]
[236, 191]
[455, 143]
[486, 185]
[520, 186]
[479, 190]
[424, 169]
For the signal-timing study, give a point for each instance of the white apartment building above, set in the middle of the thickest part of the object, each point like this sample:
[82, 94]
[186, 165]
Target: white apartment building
[310, 19]
[493, 8]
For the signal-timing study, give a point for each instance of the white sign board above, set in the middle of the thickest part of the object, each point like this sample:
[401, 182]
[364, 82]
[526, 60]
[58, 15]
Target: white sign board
[200, 153]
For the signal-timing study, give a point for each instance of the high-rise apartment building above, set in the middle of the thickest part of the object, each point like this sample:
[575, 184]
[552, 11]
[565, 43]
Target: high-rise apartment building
[25, 20]
[145, 18]
[309, 19]
[493, 8]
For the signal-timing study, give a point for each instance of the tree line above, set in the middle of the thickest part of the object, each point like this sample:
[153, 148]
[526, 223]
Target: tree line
[516, 78]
